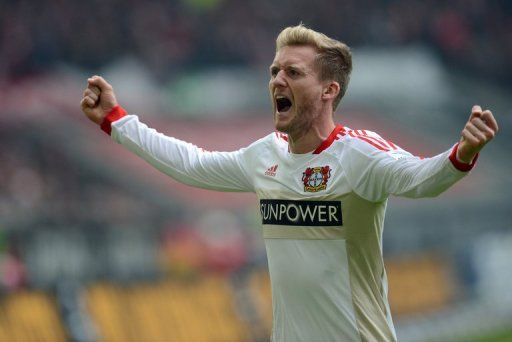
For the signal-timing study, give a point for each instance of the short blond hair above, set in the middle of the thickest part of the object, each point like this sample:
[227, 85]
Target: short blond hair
[334, 59]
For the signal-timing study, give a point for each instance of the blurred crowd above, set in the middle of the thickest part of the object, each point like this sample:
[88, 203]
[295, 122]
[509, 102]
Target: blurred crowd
[475, 35]
[60, 220]
[47, 198]
[67, 215]
[41, 184]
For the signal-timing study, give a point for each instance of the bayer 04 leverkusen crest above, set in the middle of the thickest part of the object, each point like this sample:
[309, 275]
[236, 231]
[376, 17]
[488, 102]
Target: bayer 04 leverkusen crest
[315, 178]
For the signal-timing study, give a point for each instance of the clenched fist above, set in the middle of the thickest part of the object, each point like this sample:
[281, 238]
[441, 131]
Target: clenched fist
[98, 99]
[478, 131]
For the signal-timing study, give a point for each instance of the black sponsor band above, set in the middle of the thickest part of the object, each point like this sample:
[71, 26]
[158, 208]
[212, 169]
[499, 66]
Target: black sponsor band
[301, 213]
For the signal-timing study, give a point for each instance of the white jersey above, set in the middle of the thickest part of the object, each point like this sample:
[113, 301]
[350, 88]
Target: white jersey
[322, 215]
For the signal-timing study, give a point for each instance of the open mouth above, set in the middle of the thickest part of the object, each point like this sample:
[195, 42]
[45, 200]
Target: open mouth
[283, 104]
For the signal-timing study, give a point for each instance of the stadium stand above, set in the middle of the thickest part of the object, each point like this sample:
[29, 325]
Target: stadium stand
[76, 208]
[173, 310]
[28, 316]
[419, 284]
[262, 295]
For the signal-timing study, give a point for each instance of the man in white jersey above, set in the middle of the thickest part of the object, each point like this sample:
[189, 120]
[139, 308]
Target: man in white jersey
[322, 188]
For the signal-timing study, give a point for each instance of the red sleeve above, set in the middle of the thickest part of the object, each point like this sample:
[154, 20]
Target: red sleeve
[115, 114]
[460, 165]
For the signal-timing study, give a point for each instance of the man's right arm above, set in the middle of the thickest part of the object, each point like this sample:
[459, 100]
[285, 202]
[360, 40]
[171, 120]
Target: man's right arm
[222, 171]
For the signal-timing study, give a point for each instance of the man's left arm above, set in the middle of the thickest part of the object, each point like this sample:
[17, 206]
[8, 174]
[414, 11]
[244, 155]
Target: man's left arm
[376, 174]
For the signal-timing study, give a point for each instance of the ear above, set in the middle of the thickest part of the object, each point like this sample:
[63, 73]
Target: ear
[331, 90]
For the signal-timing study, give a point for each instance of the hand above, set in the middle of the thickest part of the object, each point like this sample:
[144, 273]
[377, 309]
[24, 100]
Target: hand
[478, 131]
[98, 99]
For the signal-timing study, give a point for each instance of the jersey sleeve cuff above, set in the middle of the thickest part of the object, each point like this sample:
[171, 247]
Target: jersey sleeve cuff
[460, 165]
[115, 114]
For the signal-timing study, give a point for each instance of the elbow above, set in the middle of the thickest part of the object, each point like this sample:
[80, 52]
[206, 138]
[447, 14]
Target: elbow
[424, 194]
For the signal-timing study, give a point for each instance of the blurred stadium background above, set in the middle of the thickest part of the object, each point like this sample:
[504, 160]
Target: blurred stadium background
[97, 246]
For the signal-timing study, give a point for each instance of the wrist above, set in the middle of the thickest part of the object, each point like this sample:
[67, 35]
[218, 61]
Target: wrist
[115, 114]
[463, 159]
[460, 163]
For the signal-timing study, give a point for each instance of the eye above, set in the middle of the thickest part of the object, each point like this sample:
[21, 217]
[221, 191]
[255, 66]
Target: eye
[274, 71]
[293, 72]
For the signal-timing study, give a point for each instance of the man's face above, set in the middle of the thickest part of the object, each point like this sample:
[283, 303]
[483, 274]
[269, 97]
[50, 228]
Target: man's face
[295, 89]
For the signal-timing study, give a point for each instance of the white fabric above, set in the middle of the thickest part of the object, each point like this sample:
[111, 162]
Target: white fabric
[328, 281]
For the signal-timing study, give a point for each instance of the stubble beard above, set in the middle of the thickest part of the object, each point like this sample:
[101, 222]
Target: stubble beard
[302, 122]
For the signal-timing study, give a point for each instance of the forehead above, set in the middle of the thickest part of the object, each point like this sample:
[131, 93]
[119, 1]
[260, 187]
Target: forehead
[295, 54]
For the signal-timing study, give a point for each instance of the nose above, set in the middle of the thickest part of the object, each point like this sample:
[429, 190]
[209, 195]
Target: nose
[279, 80]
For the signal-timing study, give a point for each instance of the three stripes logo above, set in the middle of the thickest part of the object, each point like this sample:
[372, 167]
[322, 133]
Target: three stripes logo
[379, 143]
[373, 139]
[271, 171]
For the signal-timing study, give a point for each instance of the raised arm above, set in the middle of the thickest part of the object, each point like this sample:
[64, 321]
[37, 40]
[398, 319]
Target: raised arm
[222, 171]
[377, 170]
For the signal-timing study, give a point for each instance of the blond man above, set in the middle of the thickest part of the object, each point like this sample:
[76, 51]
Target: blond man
[322, 187]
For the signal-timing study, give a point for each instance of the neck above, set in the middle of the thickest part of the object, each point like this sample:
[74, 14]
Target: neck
[308, 139]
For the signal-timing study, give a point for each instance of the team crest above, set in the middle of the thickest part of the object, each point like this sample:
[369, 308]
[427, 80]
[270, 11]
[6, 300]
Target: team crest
[315, 178]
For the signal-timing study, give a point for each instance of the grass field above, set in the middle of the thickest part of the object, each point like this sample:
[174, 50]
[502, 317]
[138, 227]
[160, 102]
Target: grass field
[500, 336]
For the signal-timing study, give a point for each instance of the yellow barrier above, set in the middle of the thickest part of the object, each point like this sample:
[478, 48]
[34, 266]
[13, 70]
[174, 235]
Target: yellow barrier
[30, 316]
[200, 310]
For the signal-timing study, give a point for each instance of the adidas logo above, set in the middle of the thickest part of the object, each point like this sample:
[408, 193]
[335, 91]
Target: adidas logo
[271, 171]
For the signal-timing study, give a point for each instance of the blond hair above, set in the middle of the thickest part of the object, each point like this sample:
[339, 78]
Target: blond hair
[334, 60]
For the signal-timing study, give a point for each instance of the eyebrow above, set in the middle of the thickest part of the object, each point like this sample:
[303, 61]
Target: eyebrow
[291, 65]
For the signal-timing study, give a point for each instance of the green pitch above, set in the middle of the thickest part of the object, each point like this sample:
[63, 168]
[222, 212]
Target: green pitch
[500, 336]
